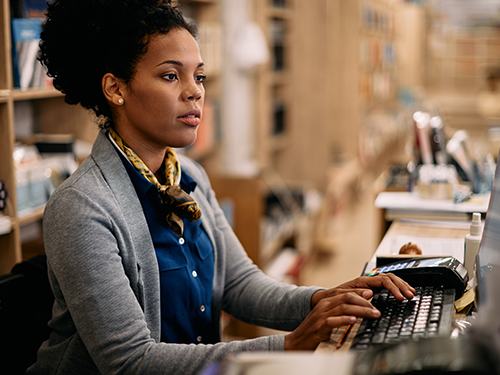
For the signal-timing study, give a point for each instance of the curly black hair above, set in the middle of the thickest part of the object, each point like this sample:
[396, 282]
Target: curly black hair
[82, 40]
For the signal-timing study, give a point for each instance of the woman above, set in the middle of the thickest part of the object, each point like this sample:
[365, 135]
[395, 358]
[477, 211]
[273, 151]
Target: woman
[141, 259]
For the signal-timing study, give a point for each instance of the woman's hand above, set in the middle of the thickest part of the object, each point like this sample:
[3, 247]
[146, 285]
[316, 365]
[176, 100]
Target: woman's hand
[332, 311]
[341, 306]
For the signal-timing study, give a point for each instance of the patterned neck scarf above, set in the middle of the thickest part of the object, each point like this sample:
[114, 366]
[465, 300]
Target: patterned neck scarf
[179, 204]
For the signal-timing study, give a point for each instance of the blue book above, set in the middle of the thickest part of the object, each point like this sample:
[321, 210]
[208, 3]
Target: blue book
[28, 71]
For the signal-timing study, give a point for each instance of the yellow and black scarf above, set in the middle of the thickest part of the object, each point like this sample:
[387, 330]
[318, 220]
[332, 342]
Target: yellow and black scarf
[179, 204]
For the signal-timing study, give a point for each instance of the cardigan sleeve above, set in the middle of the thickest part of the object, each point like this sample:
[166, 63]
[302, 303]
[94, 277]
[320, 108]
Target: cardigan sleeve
[249, 294]
[254, 297]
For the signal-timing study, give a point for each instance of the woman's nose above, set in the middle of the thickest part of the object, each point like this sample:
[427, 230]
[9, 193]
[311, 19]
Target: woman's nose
[193, 92]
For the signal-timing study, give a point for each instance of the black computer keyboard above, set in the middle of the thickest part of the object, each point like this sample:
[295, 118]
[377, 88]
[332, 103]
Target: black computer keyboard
[428, 314]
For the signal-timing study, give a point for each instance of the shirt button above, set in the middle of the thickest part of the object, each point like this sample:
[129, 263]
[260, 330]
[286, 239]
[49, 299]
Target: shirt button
[181, 241]
[202, 308]
[199, 339]
[194, 273]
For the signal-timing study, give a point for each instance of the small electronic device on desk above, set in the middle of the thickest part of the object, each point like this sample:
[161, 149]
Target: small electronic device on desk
[429, 271]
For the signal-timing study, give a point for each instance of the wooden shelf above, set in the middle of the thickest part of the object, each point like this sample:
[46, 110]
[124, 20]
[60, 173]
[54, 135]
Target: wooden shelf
[283, 13]
[279, 142]
[35, 93]
[377, 33]
[279, 78]
[30, 216]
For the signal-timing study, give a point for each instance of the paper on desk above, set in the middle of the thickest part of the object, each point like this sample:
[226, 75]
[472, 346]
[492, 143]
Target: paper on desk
[431, 246]
[466, 299]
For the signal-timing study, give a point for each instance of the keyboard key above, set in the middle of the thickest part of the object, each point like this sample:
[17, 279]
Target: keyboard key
[378, 338]
[392, 340]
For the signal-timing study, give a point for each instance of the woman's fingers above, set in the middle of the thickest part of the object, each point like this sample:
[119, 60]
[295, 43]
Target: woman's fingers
[320, 294]
[330, 312]
[397, 286]
[347, 304]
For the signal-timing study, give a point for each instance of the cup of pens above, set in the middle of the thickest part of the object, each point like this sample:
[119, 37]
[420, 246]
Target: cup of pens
[442, 158]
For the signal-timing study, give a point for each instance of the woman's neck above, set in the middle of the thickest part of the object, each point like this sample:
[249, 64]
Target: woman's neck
[152, 156]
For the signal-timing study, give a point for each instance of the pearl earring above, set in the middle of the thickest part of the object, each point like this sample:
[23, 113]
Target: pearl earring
[120, 101]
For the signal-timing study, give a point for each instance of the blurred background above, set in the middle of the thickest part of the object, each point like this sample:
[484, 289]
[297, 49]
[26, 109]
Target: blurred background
[312, 109]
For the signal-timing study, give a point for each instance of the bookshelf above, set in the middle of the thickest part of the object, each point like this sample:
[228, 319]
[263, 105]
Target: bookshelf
[379, 55]
[332, 65]
[327, 95]
[458, 61]
[206, 15]
[49, 114]
[291, 100]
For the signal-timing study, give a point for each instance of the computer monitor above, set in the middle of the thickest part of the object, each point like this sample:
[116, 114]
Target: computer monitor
[488, 257]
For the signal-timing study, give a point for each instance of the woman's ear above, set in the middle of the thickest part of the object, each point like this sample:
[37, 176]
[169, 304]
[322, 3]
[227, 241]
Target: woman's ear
[112, 89]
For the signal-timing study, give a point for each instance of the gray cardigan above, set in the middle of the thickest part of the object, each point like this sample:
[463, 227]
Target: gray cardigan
[104, 275]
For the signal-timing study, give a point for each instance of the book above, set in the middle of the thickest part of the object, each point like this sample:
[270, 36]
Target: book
[28, 8]
[28, 71]
[278, 36]
[5, 224]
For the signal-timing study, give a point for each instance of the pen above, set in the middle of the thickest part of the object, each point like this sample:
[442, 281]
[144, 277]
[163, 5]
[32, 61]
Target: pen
[344, 336]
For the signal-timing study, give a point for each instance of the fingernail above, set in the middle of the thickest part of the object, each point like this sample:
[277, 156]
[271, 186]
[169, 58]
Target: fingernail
[375, 313]
[353, 319]
[366, 294]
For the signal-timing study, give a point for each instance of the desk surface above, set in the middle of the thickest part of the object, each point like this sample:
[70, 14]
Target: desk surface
[397, 228]
[411, 200]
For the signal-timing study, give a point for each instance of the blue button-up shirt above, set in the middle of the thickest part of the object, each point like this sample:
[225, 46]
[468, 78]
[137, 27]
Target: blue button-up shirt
[186, 266]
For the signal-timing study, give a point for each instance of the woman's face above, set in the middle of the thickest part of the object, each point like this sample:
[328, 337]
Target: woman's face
[163, 103]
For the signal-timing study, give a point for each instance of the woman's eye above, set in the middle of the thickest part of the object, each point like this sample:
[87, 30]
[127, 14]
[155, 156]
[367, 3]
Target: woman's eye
[201, 78]
[170, 77]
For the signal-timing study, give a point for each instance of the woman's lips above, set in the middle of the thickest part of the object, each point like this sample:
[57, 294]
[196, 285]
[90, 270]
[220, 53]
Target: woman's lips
[191, 118]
